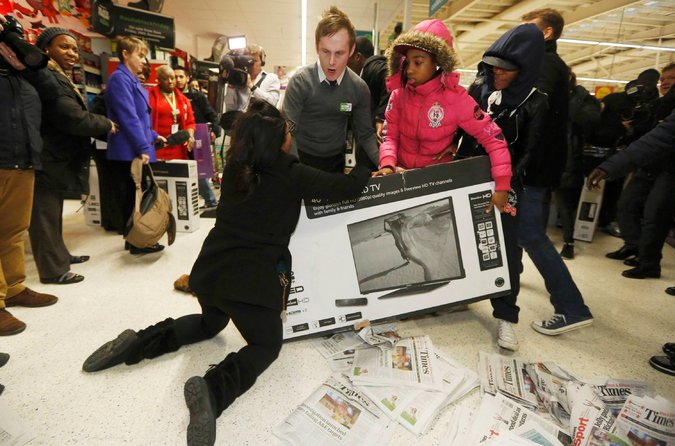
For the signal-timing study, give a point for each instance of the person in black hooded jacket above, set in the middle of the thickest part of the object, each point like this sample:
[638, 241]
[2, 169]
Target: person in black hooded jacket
[508, 94]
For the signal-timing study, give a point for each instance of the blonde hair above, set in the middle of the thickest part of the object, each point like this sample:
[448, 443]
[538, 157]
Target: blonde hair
[130, 44]
[332, 21]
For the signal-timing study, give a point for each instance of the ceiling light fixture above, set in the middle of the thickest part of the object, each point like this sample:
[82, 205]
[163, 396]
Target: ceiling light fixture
[617, 45]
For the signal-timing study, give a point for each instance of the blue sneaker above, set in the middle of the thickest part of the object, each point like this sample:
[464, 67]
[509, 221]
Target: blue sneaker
[558, 324]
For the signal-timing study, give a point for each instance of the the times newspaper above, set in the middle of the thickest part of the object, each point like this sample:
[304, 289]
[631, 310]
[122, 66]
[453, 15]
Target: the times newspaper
[415, 409]
[498, 415]
[614, 392]
[590, 418]
[508, 376]
[646, 420]
[335, 414]
[410, 363]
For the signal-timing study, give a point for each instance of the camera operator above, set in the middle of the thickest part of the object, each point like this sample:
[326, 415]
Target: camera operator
[247, 80]
[20, 147]
[646, 204]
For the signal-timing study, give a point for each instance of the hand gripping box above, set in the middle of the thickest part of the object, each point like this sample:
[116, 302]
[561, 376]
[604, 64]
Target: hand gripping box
[179, 179]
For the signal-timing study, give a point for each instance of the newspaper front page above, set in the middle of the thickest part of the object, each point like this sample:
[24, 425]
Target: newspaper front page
[508, 376]
[589, 415]
[498, 414]
[614, 392]
[336, 414]
[646, 420]
[416, 409]
[410, 363]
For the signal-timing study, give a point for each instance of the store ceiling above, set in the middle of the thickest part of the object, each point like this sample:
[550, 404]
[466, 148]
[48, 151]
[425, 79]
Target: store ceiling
[475, 24]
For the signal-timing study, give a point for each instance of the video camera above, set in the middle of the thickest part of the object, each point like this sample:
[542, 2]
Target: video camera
[237, 65]
[29, 55]
[640, 99]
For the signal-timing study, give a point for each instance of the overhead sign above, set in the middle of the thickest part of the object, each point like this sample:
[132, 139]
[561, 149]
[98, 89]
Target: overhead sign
[435, 5]
[411, 243]
[154, 28]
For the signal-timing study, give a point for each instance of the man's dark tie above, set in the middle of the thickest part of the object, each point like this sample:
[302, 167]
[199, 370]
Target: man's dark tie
[331, 83]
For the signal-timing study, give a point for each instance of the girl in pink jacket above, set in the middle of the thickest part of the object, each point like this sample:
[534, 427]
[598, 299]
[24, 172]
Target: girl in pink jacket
[427, 106]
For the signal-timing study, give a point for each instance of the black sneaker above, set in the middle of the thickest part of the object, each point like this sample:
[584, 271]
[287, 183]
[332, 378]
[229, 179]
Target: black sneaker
[663, 364]
[558, 324]
[111, 353]
[567, 251]
[202, 428]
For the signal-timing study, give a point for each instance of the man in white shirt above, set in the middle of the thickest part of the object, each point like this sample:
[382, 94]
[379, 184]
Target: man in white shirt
[259, 84]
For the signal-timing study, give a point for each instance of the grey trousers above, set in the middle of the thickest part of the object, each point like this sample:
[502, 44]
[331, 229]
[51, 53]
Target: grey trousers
[46, 233]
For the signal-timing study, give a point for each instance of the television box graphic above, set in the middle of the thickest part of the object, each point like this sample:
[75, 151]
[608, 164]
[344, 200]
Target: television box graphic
[588, 212]
[408, 248]
[179, 179]
[92, 208]
[410, 243]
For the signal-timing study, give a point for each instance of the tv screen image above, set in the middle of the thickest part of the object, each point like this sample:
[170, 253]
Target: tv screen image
[407, 248]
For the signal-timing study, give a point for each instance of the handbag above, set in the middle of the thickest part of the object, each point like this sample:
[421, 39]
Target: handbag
[152, 216]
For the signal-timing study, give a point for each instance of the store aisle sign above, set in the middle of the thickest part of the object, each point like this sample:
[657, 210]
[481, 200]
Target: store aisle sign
[435, 5]
[114, 20]
[410, 244]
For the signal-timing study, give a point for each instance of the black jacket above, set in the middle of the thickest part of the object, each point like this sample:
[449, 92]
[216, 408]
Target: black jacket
[656, 147]
[240, 257]
[554, 81]
[522, 110]
[67, 127]
[584, 114]
[202, 109]
[374, 74]
[21, 114]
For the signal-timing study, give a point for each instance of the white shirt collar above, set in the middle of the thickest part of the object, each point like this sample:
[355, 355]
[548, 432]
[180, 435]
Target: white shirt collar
[322, 75]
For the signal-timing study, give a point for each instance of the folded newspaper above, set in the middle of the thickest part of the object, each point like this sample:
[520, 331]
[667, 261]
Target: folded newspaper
[410, 363]
[498, 414]
[644, 420]
[336, 414]
[339, 349]
[416, 409]
[507, 375]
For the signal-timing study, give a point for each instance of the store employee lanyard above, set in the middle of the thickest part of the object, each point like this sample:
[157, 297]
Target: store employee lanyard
[171, 99]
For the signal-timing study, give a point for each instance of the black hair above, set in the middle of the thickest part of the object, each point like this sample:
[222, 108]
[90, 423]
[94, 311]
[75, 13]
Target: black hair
[257, 138]
[364, 46]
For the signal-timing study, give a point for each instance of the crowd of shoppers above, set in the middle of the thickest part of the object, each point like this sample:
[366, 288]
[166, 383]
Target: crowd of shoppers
[524, 111]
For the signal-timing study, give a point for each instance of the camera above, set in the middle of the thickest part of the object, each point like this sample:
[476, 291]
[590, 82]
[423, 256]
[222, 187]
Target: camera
[640, 98]
[237, 65]
[29, 55]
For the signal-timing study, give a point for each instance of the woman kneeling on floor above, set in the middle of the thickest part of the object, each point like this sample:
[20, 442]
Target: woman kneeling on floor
[243, 269]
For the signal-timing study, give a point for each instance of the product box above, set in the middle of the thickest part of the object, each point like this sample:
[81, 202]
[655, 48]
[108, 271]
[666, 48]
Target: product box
[411, 243]
[179, 179]
[92, 208]
[201, 152]
[588, 212]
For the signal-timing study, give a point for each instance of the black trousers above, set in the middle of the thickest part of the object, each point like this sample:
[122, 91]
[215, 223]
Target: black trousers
[610, 199]
[111, 211]
[46, 233]
[505, 308]
[568, 201]
[646, 211]
[261, 328]
[122, 187]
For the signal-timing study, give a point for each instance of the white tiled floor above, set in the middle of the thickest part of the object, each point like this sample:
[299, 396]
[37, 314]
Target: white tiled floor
[143, 404]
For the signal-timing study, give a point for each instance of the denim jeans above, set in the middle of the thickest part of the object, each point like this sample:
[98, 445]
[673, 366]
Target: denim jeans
[565, 296]
[206, 192]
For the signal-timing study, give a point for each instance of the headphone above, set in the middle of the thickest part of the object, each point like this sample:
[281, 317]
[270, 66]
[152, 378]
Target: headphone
[255, 48]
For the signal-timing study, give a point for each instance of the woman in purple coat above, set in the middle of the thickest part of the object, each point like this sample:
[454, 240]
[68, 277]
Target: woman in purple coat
[129, 107]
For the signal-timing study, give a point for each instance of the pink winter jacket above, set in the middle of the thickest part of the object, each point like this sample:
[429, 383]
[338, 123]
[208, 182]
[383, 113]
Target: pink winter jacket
[422, 121]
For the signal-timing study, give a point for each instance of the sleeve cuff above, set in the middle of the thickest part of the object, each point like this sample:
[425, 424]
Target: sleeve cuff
[503, 183]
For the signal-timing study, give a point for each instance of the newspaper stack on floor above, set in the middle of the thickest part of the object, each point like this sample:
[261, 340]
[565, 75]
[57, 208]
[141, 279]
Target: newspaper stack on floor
[416, 409]
[406, 378]
[502, 374]
[335, 414]
[646, 420]
[499, 417]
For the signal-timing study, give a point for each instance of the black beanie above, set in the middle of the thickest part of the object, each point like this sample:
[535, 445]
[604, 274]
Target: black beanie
[48, 35]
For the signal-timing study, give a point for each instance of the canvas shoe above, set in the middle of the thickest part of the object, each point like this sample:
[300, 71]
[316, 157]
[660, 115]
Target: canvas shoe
[559, 324]
[506, 336]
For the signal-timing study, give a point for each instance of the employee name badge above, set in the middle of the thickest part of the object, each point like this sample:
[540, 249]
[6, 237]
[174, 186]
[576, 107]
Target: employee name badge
[174, 128]
[345, 107]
